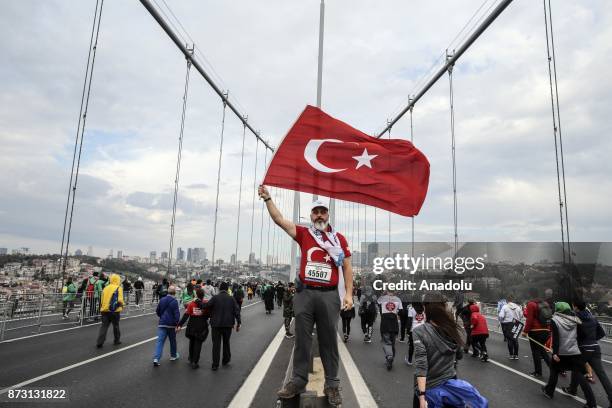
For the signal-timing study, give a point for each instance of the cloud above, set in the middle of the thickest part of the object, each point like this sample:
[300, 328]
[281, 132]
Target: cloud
[267, 57]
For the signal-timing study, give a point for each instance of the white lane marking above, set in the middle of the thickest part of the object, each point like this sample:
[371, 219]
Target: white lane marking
[93, 324]
[361, 390]
[70, 328]
[70, 367]
[246, 394]
[523, 338]
[536, 380]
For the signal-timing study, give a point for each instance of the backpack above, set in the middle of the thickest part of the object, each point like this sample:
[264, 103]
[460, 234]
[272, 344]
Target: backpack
[545, 313]
[114, 301]
[90, 285]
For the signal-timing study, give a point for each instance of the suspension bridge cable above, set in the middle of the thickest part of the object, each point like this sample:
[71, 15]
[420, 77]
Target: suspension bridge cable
[93, 49]
[76, 139]
[240, 192]
[450, 61]
[412, 218]
[218, 181]
[556, 116]
[262, 216]
[454, 167]
[178, 164]
[253, 204]
[389, 212]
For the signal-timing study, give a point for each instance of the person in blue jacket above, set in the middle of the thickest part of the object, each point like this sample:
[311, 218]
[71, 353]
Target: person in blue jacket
[169, 315]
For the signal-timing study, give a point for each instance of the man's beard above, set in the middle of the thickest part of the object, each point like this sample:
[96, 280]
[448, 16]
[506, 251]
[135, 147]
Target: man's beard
[321, 225]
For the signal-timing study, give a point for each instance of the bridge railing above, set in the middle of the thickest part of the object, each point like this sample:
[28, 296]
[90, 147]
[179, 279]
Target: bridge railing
[490, 310]
[36, 311]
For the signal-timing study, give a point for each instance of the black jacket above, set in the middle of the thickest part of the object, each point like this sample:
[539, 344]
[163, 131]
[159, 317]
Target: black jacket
[590, 331]
[197, 326]
[224, 310]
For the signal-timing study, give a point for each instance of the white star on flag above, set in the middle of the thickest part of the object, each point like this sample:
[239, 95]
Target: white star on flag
[327, 258]
[365, 159]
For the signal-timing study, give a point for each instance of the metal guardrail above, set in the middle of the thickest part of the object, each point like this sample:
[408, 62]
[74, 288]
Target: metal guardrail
[39, 310]
[490, 310]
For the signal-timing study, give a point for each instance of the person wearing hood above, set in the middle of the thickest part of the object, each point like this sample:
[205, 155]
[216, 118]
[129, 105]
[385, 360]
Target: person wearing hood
[566, 353]
[197, 327]
[509, 313]
[480, 333]
[367, 313]
[589, 332]
[438, 344]
[268, 297]
[110, 309]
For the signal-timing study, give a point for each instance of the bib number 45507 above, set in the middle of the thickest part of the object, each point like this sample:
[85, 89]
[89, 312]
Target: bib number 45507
[318, 272]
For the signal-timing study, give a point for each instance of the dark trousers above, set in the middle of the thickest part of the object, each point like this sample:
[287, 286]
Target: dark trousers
[577, 365]
[107, 319]
[479, 342]
[410, 347]
[388, 344]
[513, 344]
[403, 315]
[288, 325]
[346, 326]
[138, 295]
[323, 309]
[537, 352]
[195, 348]
[68, 305]
[219, 334]
[593, 357]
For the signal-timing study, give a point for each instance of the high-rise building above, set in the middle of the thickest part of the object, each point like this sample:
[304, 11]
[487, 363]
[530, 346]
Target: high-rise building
[153, 256]
[252, 258]
[233, 259]
[110, 253]
[164, 256]
[120, 254]
[180, 254]
[189, 255]
[3, 251]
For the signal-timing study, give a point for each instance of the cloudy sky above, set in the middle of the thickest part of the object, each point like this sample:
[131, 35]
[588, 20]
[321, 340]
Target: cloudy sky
[265, 54]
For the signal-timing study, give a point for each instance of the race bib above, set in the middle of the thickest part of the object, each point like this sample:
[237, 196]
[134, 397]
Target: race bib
[317, 272]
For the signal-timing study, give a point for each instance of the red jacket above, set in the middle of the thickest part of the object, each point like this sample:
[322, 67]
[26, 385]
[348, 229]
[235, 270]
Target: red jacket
[478, 321]
[531, 313]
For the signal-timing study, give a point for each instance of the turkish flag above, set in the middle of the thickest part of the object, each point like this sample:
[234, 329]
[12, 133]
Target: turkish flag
[322, 155]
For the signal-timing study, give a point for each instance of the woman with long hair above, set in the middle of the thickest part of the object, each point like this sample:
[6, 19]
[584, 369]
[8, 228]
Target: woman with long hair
[438, 345]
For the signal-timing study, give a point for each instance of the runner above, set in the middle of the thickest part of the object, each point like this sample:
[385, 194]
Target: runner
[367, 313]
[324, 286]
[389, 305]
[508, 315]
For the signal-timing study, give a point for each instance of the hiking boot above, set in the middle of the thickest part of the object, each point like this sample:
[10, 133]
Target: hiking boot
[333, 395]
[288, 391]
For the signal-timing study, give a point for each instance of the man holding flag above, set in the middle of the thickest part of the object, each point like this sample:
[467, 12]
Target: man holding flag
[322, 155]
[325, 277]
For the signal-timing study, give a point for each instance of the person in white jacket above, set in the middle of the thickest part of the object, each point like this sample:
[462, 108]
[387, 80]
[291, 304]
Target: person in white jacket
[508, 314]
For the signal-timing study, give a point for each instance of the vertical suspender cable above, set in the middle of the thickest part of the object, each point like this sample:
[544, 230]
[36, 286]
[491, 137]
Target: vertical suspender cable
[389, 212]
[262, 218]
[411, 141]
[178, 165]
[240, 192]
[452, 128]
[556, 116]
[74, 173]
[253, 204]
[218, 181]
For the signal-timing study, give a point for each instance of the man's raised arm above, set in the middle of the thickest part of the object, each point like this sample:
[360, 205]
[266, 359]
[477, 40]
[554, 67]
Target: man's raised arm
[276, 215]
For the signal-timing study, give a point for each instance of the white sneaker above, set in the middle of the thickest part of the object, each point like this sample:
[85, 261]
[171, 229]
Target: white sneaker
[407, 361]
[176, 357]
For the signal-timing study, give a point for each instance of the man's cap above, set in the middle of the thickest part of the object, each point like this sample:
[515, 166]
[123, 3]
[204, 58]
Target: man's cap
[318, 203]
